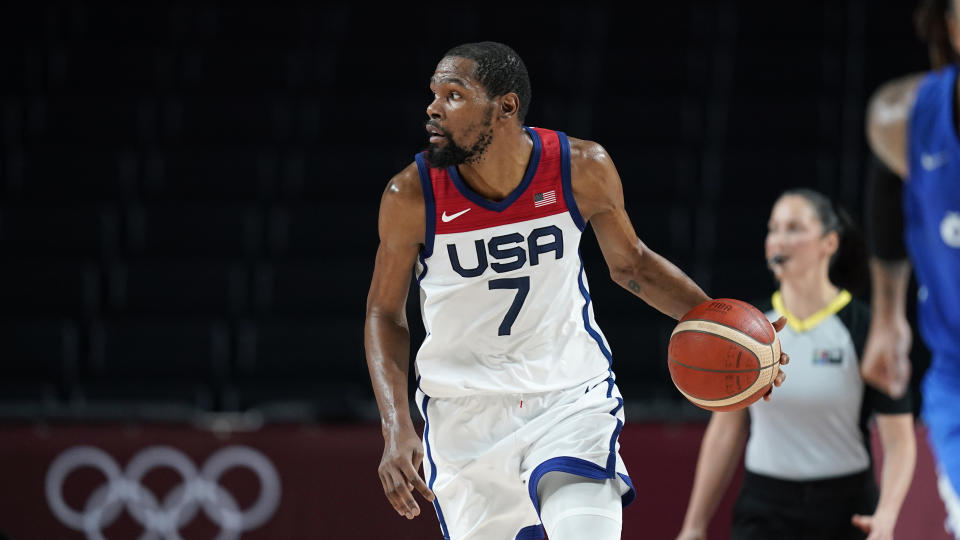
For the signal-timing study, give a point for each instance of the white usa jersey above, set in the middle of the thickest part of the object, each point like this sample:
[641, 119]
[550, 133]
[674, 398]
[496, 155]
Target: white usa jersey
[503, 294]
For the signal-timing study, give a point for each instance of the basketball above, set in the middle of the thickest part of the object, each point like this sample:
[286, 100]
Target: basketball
[723, 355]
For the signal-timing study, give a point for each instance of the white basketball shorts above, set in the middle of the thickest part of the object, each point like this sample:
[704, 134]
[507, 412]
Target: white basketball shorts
[486, 454]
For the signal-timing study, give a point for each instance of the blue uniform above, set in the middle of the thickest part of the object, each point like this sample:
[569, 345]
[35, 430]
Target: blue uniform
[932, 212]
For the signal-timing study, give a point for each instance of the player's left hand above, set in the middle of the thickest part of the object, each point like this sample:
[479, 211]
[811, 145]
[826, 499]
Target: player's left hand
[879, 526]
[784, 360]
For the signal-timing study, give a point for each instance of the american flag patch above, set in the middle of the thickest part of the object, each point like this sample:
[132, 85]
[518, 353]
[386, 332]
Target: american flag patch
[545, 198]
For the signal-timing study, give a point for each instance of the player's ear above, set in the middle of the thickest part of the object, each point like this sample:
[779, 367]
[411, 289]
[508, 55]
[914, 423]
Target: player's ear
[509, 105]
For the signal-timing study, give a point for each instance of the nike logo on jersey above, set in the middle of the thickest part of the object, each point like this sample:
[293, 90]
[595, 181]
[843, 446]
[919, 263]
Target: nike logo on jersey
[932, 162]
[451, 217]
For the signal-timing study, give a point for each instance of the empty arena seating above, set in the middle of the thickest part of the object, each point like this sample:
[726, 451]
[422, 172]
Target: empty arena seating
[189, 192]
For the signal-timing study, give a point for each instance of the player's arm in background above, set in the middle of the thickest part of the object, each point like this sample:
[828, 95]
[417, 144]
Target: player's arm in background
[886, 364]
[720, 452]
[387, 338]
[598, 192]
[898, 439]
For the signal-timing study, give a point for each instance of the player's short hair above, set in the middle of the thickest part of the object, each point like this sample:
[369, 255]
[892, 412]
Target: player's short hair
[499, 69]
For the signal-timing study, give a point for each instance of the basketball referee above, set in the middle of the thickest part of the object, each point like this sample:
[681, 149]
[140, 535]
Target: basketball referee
[809, 472]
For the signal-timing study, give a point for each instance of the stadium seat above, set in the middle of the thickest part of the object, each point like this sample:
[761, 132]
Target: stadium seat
[60, 288]
[152, 368]
[234, 173]
[38, 362]
[305, 231]
[193, 231]
[177, 288]
[90, 120]
[305, 288]
[801, 123]
[78, 174]
[301, 366]
[46, 232]
[85, 66]
[345, 173]
[198, 119]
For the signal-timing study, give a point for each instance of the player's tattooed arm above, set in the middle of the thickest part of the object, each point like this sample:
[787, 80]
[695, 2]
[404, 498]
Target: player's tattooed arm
[387, 339]
[598, 193]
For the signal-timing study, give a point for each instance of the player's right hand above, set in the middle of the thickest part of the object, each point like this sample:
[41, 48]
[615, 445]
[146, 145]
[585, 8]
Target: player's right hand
[399, 466]
[778, 325]
[886, 361]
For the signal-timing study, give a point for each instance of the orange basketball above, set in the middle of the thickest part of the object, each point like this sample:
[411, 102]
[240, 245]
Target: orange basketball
[724, 355]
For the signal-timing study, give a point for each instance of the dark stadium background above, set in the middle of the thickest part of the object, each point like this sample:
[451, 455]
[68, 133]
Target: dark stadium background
[189, 196]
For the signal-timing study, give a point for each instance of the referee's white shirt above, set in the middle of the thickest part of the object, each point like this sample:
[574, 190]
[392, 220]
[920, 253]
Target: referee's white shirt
[815, 425]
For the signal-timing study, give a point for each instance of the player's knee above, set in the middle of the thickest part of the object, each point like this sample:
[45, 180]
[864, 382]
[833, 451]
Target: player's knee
[584, 522]
[577, 507]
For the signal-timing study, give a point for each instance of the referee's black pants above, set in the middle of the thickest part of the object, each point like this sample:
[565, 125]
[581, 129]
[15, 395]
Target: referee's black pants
[773, 509]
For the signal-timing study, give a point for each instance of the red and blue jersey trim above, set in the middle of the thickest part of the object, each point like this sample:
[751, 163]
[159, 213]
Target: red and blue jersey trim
[545, 190]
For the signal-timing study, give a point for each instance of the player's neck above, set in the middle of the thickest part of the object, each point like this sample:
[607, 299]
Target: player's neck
[502, 167]
[805, 295]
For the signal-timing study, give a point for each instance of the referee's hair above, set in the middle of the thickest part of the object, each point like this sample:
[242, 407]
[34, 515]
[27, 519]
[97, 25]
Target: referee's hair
[848, 265]
[930, 19]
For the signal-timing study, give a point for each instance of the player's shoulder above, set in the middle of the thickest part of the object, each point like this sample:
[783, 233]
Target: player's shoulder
[592, 168]
[891, 101]
[403, 208]
[888, 114]
[404, 188]
[587, 153]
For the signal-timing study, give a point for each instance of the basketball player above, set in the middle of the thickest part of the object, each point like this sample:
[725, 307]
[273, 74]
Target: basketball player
[808, 465]
[522, 414]
[912, 127]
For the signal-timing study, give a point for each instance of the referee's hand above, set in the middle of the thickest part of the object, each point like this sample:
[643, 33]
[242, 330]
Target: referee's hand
[784, 359]
[879, 526]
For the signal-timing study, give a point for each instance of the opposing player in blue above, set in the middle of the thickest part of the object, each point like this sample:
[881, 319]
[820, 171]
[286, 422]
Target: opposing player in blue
[912, 126]
[514, 378]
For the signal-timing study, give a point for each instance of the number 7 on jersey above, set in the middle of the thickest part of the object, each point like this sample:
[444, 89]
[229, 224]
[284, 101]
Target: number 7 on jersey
[522, 285]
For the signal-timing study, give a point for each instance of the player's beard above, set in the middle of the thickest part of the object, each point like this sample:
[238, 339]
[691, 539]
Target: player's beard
[451, 154]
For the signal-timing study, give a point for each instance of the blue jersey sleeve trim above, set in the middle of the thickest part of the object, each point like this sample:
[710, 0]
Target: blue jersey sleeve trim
[431, 207]
[567, 182]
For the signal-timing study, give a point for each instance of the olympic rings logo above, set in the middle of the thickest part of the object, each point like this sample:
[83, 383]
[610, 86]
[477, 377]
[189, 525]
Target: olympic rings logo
[199, 489]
